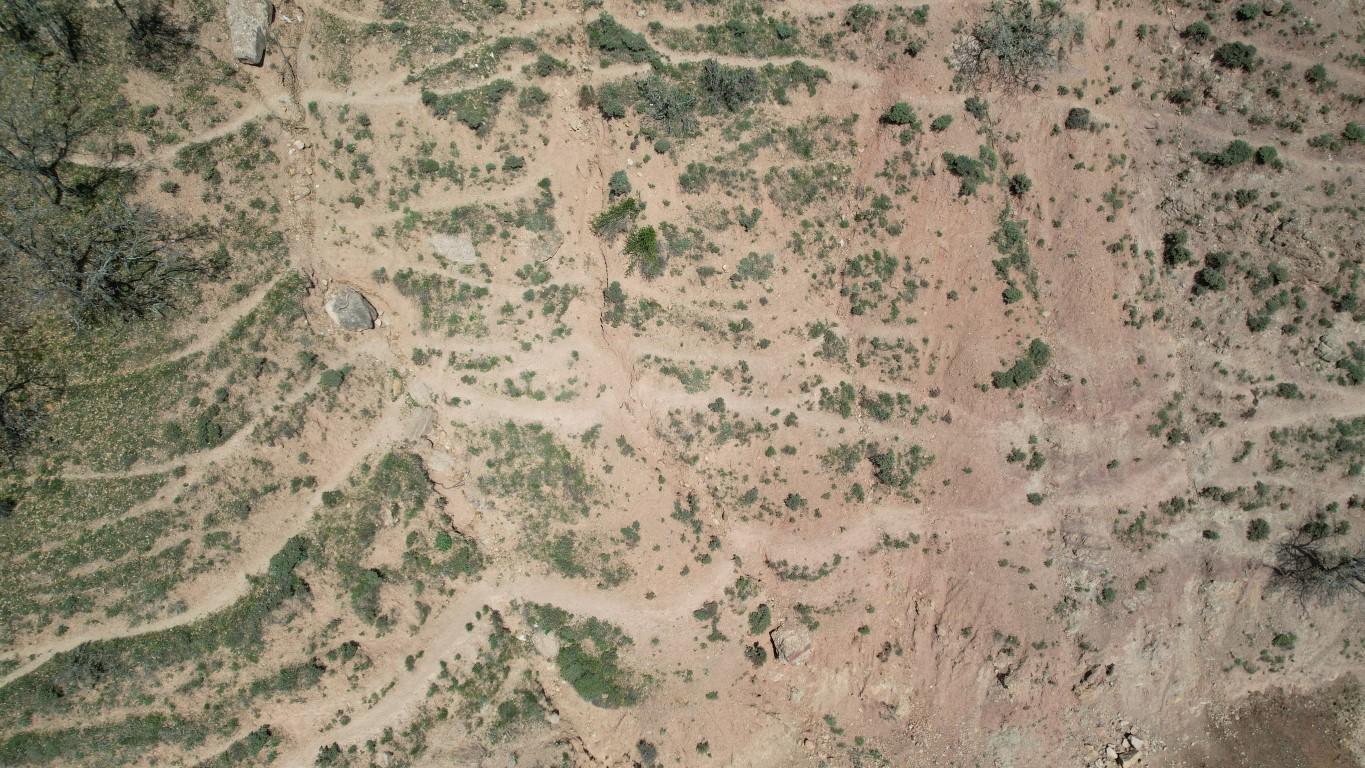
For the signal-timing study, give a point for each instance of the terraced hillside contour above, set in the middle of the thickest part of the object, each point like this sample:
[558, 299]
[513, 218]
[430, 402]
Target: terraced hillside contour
[757, 384]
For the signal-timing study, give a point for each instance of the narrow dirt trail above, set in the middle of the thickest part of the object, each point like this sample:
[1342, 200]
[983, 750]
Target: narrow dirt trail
[446, 635]
[221, 589]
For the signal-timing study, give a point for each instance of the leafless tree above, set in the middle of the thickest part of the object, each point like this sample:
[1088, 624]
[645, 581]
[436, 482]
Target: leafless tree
[1305, 566]
[155, 41]
[26, 387]
[108, 260]
[48, 112]
[44, 27]
[1014, 43]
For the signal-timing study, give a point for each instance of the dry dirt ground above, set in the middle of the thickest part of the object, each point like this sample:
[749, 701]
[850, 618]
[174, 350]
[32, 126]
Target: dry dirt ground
[1056, 574]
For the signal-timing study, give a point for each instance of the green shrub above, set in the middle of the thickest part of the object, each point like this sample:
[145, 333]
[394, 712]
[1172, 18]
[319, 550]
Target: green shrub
[726, 87]
[1212, 276]
[976, 107]
[1329, 142]
[1027, 368]
[1258, 529]
[1014, 42]
[969, 171]
[612, 101]
[1174, 250]
[1235, 153]
[1247, 12]
[1353, 132]
[1236, 56]
[760, 619]
[643, 249]
[513, 163]
[617, 219]
[532, 99]
[1197, 33]
[1077, 119]
[618, 184]
[941, 123]
[901, 113]
[1267, 155]
[475, 107]
[1020, 185]
[1316, 76]
[618, 43]
[860, 16]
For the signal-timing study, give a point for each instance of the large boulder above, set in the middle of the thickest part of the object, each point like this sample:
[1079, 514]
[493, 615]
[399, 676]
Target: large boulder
[247, 23]
[349, 309]
[792, 643]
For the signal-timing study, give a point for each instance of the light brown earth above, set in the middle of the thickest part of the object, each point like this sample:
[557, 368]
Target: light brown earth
[983, 636]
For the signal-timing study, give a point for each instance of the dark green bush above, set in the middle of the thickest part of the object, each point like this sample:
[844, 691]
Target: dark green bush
[643, 249]
[1236, 56]
[1235, 153]
[901, 113]
[1026, 369]
[618, 43]
[970, 172]
[1077, 119]
[1174, 250]
[1197, 33]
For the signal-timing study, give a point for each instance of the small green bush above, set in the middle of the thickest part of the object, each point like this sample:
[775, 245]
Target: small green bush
[970, 172]
[618, 185]
[1235, 153]
[1174, 250]
[1236, 56]
[643, 249]
[618, 43]
[901, 113]
[1077, 119]
[941, 123]
[1026, 369]
[1197, 33]
[1258, 530]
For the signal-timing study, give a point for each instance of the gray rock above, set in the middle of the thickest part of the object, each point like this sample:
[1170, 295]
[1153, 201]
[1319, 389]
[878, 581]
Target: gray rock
[350, 310]
[792, 643]
[247, 23]
[1330, 348]
[457, 249]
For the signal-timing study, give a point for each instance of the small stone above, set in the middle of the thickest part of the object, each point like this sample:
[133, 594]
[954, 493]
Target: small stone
[349, 309]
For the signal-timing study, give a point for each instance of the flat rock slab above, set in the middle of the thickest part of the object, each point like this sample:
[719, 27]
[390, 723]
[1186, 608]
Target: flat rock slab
[457, 249]
[350, 309]
[247, 23]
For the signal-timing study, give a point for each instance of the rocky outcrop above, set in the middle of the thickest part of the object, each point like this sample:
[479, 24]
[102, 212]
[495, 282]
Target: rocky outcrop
[791, 643]
[349, 309]
[248, 21]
